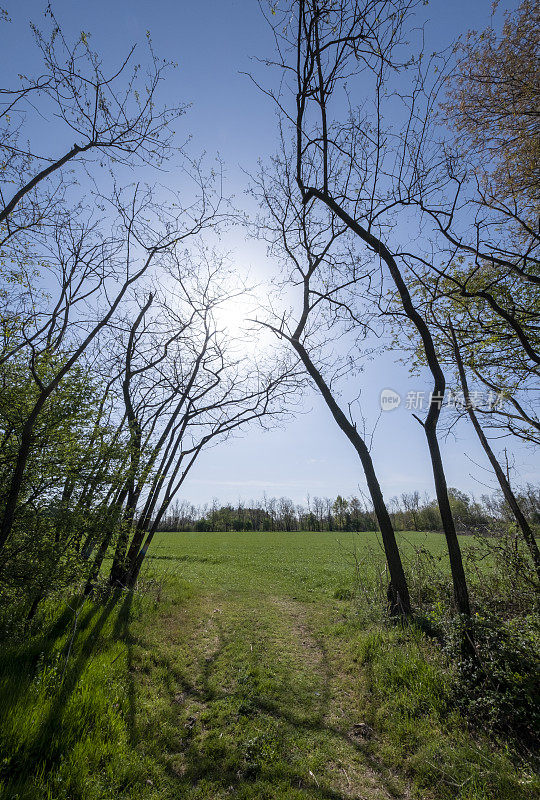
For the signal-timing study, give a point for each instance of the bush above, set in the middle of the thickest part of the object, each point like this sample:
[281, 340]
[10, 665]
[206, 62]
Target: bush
[500, 691]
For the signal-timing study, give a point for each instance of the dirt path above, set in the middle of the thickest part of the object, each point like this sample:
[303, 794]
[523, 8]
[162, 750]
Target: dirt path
[354, 772]
[263, 707]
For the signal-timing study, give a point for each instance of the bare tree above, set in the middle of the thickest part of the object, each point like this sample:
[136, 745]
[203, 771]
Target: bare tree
[411, 504]
[78, 260]
[113, 114]
[95, 274]
[352, 166]
[307, 249]
[186, 385]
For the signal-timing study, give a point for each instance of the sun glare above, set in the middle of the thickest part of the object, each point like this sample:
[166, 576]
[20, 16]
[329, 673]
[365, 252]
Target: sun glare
[235, 317]
[234, 314]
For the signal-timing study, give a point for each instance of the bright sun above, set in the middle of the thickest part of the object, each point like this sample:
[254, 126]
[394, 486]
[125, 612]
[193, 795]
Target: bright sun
[235, 318]
[234, 314]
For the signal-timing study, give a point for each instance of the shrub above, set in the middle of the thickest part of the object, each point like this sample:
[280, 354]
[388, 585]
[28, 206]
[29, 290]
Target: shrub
[501, 690]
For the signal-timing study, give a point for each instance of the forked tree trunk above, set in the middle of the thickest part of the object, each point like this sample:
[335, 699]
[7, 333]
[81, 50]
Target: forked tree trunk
[461, 593]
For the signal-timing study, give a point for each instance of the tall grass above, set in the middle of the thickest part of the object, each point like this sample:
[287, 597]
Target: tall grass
[65, 706]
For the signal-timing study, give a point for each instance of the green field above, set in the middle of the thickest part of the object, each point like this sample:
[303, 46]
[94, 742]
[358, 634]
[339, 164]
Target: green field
[250, 665]
[310, 566]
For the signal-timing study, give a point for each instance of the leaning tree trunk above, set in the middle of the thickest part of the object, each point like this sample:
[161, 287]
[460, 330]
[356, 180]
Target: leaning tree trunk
[506, 489]
[398, 591]
[23, 455]
[109, 525]
[459, 580]
[118, 573]
[461, 593]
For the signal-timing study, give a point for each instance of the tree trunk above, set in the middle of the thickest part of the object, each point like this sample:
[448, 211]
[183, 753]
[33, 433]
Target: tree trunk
[506, 489]
[461, 594]
[17, 477]
[109, 525]
[459, 580]
[398, 591]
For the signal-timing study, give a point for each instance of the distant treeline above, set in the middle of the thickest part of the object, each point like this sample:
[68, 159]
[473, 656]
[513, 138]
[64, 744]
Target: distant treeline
[410, 511]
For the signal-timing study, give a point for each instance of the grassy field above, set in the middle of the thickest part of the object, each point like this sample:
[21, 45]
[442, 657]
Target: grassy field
[251, 665]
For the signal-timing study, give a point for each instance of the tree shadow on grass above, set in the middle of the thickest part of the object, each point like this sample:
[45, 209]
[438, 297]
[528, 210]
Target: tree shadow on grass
[122, 632]
[51, 742]
[207, 757]
[19, 663]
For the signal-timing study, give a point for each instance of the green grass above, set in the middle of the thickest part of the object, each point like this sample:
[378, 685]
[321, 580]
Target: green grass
[241, 671]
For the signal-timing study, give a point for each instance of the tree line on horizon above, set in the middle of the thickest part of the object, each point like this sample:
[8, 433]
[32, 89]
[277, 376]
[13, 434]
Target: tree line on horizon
[409, 512]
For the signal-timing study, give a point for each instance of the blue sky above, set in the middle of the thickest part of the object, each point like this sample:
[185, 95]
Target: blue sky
[213, 43]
